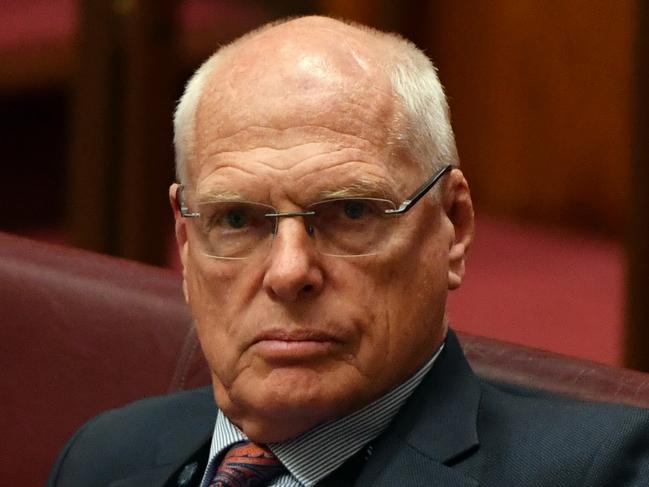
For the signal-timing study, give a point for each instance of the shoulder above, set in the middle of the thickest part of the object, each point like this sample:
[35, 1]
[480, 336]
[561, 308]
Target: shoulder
[557, 435]
[129, 438]
[147, 417]
[536, 407]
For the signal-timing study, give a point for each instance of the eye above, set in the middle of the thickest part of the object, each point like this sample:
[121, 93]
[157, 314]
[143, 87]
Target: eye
[236, 218]
[355, 209]
[225, 216]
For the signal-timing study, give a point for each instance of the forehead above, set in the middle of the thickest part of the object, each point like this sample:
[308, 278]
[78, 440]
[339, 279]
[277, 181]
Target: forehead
[299, 88]
[297, 104]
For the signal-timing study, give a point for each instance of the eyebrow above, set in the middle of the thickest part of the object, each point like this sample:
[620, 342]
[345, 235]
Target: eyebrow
[363, 188]
[216, 194]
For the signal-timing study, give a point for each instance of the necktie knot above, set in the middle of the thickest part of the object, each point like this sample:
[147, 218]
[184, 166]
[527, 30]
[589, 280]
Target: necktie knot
[247, 464]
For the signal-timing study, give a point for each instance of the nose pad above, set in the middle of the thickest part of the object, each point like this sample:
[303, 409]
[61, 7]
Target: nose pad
[308, 226]
[292, 234]
[293, 271]
[275, 224]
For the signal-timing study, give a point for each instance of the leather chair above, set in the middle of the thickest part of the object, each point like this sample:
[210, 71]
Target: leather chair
[82, 333]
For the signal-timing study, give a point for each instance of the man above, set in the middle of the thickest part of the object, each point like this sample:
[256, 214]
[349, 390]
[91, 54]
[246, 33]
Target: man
[321, 219]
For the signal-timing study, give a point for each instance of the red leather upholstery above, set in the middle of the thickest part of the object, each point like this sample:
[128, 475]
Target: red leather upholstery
[81, 333]
[538, 369]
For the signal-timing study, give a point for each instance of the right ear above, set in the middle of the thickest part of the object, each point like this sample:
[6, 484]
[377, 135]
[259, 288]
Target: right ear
[459, 209]
[180, 225]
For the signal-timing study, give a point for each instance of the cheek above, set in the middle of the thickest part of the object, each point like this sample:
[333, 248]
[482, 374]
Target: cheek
[404, 305]
[220, 290]
[368, 288]
[203, 298]
[216, 307]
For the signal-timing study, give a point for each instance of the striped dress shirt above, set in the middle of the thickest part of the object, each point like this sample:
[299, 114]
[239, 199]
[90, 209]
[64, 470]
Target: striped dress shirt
[314, 455]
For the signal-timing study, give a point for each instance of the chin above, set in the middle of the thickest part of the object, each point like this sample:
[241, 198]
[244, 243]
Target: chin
[288, 402]
[295, 389]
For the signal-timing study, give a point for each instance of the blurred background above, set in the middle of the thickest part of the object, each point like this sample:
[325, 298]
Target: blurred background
[549, 102]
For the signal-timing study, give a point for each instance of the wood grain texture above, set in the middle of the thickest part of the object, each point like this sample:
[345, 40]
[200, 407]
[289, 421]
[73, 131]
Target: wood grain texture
[541, 99]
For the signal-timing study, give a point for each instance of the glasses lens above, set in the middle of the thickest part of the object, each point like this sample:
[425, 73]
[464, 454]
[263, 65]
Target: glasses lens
[354, 226]
[234, 229]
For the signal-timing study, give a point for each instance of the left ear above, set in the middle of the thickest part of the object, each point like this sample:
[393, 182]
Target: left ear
[459, 210]
[181, 234]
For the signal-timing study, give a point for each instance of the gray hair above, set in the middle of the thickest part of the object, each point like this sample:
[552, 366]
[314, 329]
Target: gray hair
[427, 135]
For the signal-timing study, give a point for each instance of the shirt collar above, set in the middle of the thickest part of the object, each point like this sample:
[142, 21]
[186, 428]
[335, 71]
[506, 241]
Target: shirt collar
[316, 453]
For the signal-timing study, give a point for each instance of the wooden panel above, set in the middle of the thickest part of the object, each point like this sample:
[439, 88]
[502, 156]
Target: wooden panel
[146, 130]
[540, 94]
[95, 144]
[121, 159]
[637, 330]
[364, 11]
[406, 17]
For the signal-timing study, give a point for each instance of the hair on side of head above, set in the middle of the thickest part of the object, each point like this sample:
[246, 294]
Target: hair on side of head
[185, 114]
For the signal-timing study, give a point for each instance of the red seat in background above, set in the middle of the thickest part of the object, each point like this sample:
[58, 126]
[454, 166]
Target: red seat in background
[82, 332]
[552, 289]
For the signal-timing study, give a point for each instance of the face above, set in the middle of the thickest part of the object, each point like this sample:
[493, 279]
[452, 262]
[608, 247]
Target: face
[294, 337]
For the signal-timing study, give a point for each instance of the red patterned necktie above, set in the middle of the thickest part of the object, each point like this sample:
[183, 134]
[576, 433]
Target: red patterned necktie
[247, 464]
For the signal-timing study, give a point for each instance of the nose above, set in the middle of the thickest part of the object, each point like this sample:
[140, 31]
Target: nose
[294, 270]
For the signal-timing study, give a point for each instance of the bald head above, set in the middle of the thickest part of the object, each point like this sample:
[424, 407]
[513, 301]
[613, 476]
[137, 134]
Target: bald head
[304, 49]
[317, 64]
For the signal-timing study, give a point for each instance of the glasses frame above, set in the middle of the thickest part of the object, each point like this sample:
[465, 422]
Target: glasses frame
[405, 206]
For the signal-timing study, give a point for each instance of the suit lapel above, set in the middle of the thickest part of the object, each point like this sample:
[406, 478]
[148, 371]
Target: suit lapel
[434, 433]
[182, 448]
[426, 445]
[186, 470]
[413, 469]
[153, 477]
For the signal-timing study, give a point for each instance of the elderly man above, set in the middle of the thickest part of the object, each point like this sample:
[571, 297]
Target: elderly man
[321, 219]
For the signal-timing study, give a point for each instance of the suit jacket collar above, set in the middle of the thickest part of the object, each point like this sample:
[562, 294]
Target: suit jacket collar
[182, 447]
[436, 429]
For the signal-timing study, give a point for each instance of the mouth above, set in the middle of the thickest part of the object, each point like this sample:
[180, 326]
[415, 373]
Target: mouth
[294, 345]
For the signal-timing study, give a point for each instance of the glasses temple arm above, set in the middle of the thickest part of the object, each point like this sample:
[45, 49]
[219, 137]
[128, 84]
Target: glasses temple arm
[420, 192]
[180, 204]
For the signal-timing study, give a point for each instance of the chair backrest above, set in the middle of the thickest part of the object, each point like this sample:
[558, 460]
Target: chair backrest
[82, 333]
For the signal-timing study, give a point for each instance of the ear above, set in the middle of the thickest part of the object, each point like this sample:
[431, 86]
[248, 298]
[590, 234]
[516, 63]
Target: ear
[459, 210]
[181, 233]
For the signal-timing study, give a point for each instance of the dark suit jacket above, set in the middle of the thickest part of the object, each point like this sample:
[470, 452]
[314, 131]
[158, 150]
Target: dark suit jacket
[456, 430]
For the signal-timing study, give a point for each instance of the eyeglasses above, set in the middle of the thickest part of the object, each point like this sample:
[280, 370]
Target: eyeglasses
[339, 226]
